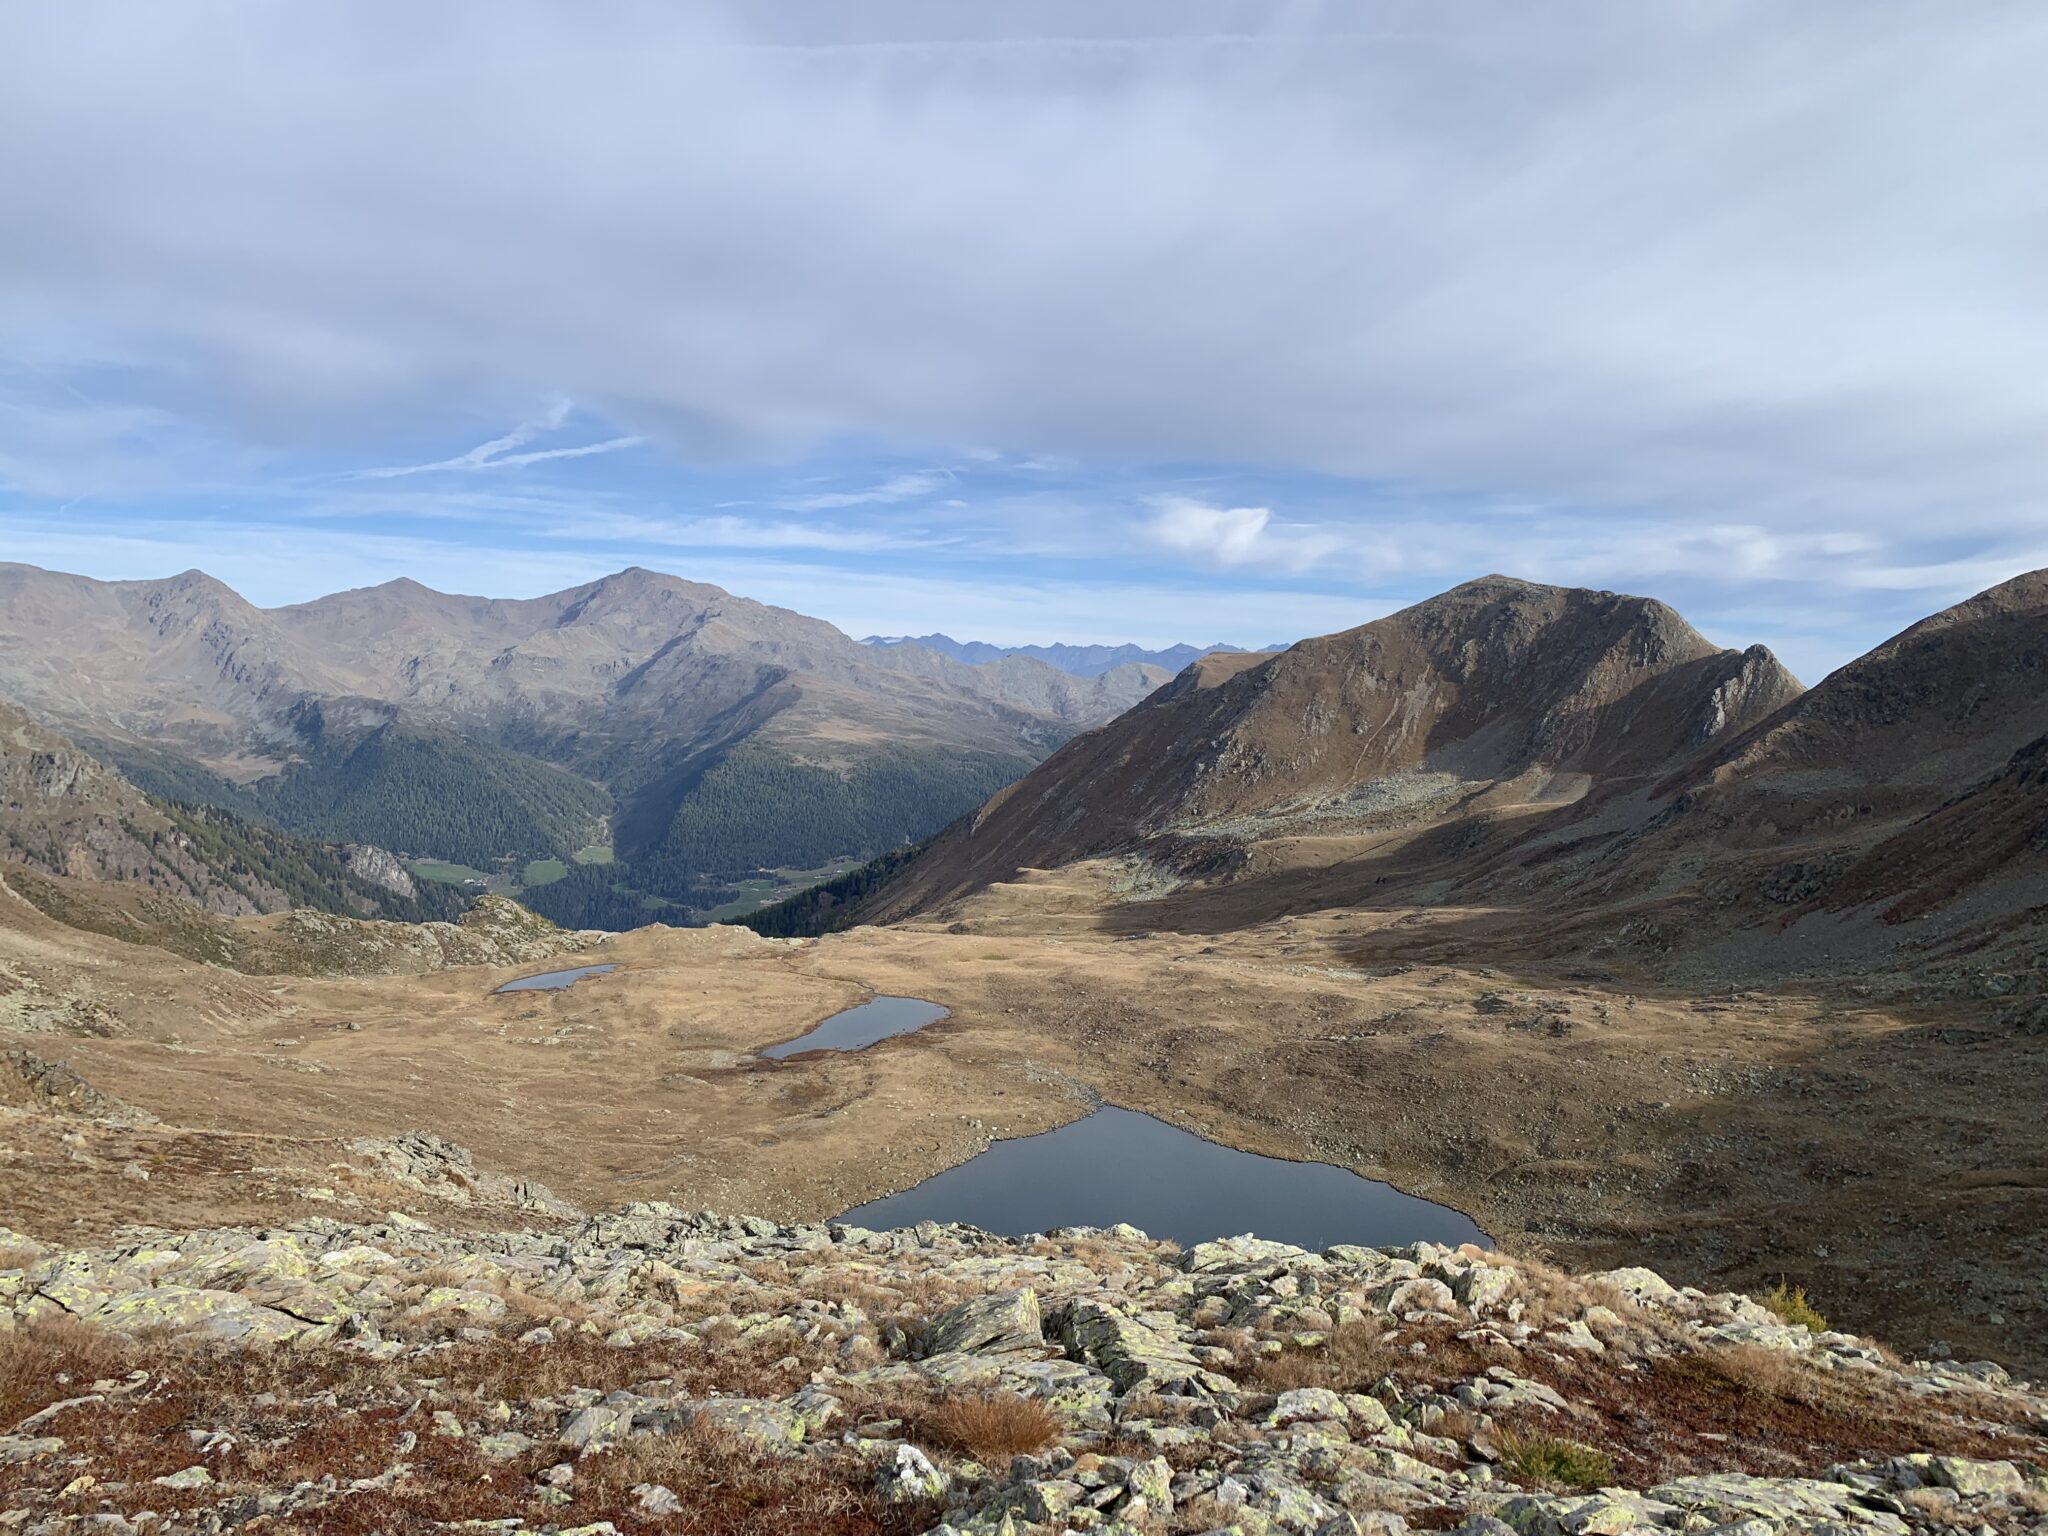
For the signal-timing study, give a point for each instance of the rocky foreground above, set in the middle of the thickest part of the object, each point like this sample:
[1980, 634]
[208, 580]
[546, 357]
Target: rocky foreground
[658, 1370]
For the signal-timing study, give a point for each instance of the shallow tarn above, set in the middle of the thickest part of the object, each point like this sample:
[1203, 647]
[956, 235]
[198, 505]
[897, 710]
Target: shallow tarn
[855, 1028]
[554, 981]
[1116, 1165]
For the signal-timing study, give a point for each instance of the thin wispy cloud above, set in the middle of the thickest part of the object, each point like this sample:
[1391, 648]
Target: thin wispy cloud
[894, 489]
[498, 452]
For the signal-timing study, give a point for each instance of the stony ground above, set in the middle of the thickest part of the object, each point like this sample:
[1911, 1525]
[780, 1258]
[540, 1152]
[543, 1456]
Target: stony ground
[658, 1370]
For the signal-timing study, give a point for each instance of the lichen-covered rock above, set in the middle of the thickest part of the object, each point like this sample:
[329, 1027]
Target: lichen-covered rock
[910, 1477]
[1973, 1478]
[1003, 1323]
[1727, 1497]
[1135, 1353]
[775, 1425]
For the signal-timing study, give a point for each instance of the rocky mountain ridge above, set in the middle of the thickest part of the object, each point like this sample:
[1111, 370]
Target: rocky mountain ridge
[1080, 660]
[1496, 697]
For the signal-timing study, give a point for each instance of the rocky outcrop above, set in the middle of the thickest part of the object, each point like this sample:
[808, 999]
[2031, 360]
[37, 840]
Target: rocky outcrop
[656, 1362]
[380, 867]
[494, 931]
[27, 1081]
[440, 1168]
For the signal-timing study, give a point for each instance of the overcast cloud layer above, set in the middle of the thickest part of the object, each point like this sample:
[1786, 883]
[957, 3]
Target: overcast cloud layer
[1154, 321]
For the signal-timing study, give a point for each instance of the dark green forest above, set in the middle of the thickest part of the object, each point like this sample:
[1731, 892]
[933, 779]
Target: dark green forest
[831, 906]
[422, 793]
[173, 776]
[753, 808]
[727, 816]
[757, 809]
[593, 896]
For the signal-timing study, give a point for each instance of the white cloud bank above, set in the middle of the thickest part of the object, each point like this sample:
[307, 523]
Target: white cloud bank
[1720, 285]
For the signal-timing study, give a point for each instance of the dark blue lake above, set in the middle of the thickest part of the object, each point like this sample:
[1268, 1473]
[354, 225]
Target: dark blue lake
[1118, 1165]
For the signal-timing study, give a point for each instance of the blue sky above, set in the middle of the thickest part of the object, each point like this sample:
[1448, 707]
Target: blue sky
[1041, 321]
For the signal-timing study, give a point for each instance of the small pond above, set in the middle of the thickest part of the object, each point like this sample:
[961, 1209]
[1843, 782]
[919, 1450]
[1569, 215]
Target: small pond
[1118, 1165]
[851, 1030]
[554, 981]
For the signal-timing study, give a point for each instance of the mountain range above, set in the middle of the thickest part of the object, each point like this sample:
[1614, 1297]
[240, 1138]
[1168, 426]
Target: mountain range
[1080, 660]
[701, 735]
[1582, 764]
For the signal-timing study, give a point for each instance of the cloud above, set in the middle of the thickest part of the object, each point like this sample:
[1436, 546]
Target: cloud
[1232, 536]
[1774, 267]
[1730, 302]
[896, 488]
[728, 533]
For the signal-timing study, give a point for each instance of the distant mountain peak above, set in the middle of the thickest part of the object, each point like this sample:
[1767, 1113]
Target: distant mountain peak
[1076, 660]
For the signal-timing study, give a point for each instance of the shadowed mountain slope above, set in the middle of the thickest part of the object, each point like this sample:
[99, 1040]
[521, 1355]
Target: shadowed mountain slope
[1497, 695]
[63, 813]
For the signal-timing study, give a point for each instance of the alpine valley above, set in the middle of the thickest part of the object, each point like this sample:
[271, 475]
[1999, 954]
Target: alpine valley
[1604, 1035]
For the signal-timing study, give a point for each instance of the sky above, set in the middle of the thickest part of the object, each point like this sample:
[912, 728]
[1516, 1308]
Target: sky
[1158, 322]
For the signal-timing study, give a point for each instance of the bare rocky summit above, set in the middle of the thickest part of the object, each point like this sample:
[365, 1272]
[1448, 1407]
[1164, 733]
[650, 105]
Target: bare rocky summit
[662, 1370]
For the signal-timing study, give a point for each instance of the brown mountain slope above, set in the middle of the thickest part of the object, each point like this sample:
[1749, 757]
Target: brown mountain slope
[1894, 810]
[64, 813]
[1588, 773]
[617, 654]
[1496, 697]
[184, 661]
[187, 663]
[1929, 711]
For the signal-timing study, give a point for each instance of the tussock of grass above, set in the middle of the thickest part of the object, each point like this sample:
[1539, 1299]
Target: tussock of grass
[1353, 1359]
[1791, 1306]
[1555, 1462]
[991, 1428]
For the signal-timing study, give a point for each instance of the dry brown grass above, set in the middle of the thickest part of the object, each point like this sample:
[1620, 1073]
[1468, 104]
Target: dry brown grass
[731, 1488]
[1789, 1378]
[54, 1358]
[328, 1412]
[1353, 1359]
[990, 1427]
